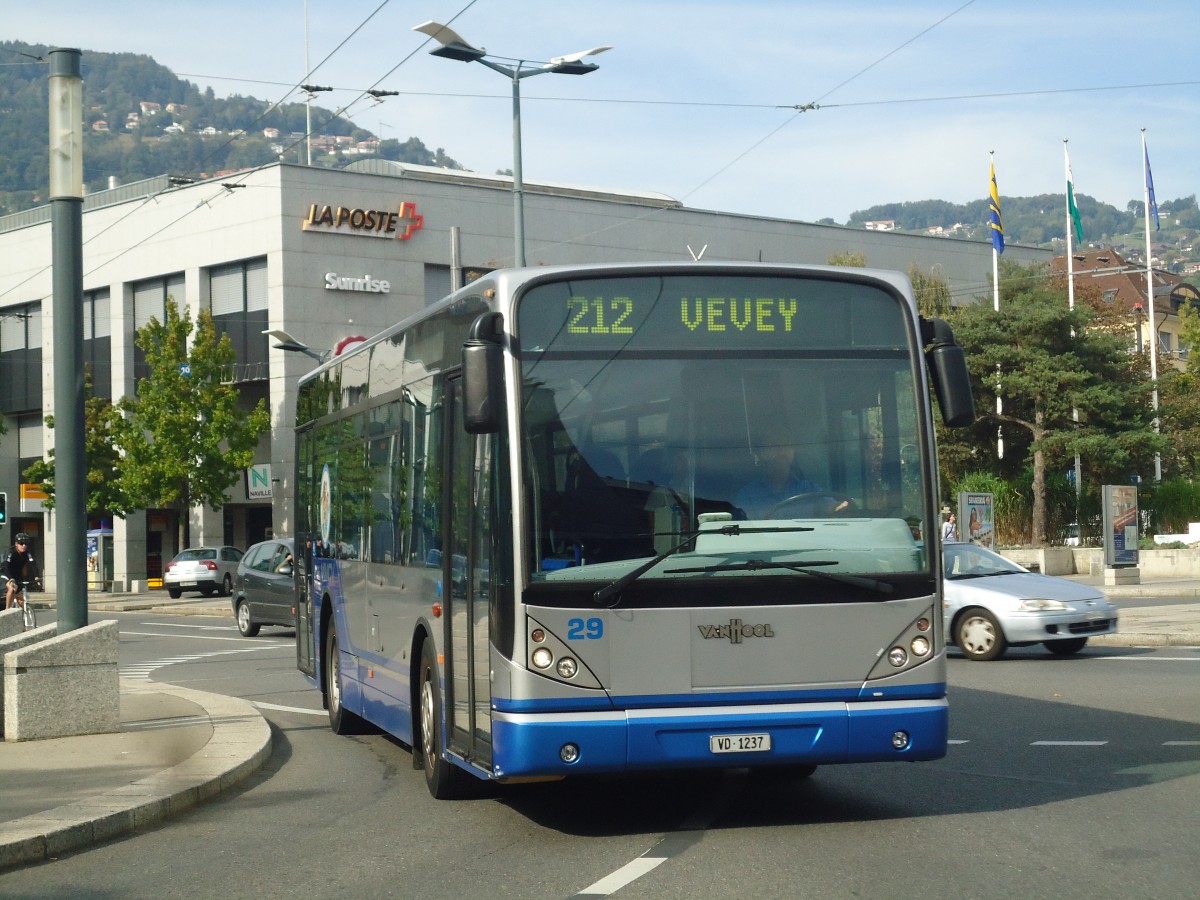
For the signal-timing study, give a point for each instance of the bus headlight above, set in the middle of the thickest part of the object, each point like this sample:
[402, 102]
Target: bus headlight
[542, 657]
[567, 667]
[920, 646]
[897, 656]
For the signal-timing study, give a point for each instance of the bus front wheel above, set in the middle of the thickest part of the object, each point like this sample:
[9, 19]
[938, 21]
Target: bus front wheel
[341, 720]
[444, 779]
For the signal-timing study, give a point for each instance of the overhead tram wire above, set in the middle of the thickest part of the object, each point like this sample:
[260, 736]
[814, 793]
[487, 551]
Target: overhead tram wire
[232, 181]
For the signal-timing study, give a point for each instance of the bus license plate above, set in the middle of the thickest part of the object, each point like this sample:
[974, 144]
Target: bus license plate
[739, 743]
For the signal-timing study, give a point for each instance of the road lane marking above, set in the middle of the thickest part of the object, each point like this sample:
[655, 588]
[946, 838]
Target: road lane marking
[294, 709]
[1067, 743]
[628, 873]
[209, 637]
[141, 671]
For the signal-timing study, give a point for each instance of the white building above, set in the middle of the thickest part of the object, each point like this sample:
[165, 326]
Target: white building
[327, 255]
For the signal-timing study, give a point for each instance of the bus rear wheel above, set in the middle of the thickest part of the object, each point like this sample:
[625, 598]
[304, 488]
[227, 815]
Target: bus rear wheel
[444, 779]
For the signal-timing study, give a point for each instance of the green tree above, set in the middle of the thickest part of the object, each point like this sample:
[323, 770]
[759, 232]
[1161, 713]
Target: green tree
[1046, 361]
[1179, 400]
[932, 293]
[854, 259]
[185, 437]
[105, 493]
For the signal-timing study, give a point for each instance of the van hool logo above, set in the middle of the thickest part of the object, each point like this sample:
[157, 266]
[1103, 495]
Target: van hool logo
[735, 631]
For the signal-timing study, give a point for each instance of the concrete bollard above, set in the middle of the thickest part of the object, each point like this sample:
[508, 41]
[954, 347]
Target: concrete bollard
[15, 642]
[64, 685]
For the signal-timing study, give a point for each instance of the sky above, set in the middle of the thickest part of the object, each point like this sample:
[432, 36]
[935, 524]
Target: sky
[704, 100]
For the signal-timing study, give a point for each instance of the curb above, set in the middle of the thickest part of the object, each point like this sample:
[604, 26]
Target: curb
[1146, 639]
[240, 744]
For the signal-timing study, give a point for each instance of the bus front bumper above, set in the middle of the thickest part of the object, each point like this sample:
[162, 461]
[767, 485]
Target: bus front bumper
[560, 744]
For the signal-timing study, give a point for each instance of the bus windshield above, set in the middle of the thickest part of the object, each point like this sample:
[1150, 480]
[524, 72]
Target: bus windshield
[734, 424]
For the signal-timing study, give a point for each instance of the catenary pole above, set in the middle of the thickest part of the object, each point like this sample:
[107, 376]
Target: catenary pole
[66, 235]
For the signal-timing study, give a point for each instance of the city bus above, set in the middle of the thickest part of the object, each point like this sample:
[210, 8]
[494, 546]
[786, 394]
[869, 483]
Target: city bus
[535, 537]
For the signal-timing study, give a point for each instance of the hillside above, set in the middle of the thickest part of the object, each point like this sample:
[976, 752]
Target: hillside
[140, 120]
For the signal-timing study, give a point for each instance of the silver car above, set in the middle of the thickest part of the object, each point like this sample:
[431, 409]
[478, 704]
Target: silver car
[992, 604]
[204, 569]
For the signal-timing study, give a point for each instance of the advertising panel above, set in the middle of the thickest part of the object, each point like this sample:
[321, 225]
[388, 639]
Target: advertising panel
[1120, 526]
[976, 518]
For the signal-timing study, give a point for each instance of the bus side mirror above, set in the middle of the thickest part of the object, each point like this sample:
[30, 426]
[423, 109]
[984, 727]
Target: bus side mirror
[483, 376]
[948, 368]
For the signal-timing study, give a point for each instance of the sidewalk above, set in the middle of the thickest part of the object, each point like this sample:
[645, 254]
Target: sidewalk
[177, 747]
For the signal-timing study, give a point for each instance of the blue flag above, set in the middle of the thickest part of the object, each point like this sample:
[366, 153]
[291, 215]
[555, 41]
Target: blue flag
[994, 223]
[1152, 208]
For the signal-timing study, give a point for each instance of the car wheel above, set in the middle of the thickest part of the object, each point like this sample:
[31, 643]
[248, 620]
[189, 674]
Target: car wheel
[979, 635]
[444, 779]
[1065, 647]
[227, 586]
[174, 593]
[341, 720]
[245, 626]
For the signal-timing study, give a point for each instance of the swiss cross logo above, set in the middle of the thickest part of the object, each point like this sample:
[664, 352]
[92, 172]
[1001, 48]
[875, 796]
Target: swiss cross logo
[410, 221]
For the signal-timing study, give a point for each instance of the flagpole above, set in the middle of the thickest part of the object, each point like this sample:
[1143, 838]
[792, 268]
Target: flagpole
[1147, 186]
[1069, 198]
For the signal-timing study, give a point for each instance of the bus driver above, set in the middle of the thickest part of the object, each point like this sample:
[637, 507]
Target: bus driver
[766, 496]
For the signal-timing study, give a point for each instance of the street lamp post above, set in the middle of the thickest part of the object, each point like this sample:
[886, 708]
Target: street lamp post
[454, 47]
[287, 342]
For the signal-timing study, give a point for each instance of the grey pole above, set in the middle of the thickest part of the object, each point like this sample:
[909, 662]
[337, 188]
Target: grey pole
[66, 228]
[518, 179]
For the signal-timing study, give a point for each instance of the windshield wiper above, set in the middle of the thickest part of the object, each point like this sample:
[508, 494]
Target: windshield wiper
[733, 529]
[804, 568]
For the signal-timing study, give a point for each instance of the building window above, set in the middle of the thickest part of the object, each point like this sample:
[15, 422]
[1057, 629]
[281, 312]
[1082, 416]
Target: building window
[29, 441]
[21, 359]
[238, 299]
[150, 302]
[97, 341]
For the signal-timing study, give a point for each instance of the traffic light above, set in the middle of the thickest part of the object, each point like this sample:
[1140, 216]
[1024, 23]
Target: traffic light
[3, 507]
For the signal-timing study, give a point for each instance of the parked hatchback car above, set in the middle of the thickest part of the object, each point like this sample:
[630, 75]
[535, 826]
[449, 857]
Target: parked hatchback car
[263, 589]
[204, 569]
[992, 604]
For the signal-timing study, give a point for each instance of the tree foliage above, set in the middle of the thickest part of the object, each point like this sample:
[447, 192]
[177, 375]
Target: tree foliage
[105, 491]
[1047, 361]
[185, 437]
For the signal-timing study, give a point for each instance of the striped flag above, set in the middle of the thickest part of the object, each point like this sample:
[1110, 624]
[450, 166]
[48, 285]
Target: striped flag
[994, 223]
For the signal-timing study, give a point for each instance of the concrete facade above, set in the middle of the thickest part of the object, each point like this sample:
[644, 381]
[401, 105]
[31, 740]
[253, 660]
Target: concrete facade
[339, 276]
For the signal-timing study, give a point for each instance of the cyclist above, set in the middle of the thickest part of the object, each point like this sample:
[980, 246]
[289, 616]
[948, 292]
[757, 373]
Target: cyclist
[18, 566]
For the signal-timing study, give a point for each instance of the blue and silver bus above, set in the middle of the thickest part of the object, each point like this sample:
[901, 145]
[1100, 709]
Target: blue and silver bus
[618, 518]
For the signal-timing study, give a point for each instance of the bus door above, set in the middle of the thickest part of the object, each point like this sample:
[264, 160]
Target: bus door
[466, 570]
[302, 560]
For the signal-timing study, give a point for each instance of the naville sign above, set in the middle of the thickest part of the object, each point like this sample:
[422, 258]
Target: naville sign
[258, 482]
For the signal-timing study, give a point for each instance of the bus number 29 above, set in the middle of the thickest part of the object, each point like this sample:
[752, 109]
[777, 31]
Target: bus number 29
[585, 630]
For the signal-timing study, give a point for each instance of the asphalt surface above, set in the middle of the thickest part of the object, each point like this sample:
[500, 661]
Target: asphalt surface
[178, 747]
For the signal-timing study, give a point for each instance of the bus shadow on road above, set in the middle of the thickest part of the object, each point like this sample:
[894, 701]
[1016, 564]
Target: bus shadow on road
[1010, 753]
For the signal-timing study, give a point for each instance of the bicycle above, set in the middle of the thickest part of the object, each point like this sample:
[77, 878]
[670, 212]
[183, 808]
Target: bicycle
[21, 598]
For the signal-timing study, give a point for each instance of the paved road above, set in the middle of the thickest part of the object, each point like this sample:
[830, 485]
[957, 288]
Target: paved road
[1069, 777]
